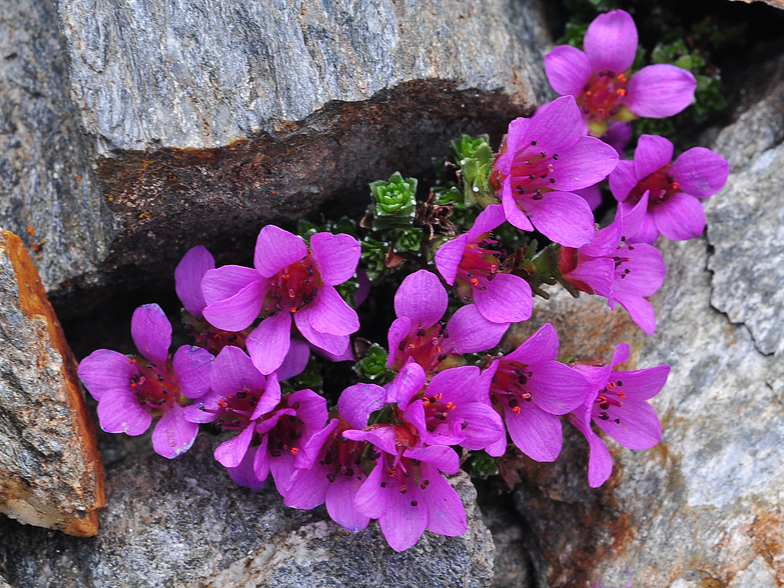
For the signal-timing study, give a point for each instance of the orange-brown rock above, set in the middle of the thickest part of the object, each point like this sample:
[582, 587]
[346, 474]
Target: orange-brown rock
[51, 474]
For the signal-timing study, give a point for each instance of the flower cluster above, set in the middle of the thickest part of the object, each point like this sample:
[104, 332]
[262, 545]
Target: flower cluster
[380, 449]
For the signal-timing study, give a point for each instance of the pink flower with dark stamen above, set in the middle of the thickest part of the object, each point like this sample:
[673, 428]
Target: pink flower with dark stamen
[618, 405]
[337, 472]
[451, 409]
[188, 276]
[476, 269]
[673, 189]
[529, 388]
[542, 160]
[417, 335]
[288, 281]
[133, 391]
[622, 273]
[600, 77]
[405, 490]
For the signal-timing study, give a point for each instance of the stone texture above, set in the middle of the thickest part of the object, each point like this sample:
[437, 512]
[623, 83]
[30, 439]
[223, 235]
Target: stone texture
[185, 523]
[48, 192]
[211, 120]
[51, 474]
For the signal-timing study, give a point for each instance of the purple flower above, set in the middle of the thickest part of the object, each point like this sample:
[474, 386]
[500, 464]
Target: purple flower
[622, 273]
[674, 189]
[453, 409]
[337, 472]
[467, 261]
[592, 195]
[542, 161]
[417, 335]
[600, 81]
[188, 276]
[288, 280]
[529, 388]
[618, 406]
[132, 391]
[405, 490]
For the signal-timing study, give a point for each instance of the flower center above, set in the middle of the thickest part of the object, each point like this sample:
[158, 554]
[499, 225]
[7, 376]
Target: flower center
[509, 384]
[293, 287]
[611, 395]
[403, 470]
[436, 410]
[661, 185]
[531, 174]
[478, 267]
[155, 388]
[428, 347]
[234, 411]
[602, 95]
[341, 456]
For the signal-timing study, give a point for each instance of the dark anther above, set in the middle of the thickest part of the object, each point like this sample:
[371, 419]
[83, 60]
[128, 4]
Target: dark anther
[350, 472]
[160, 378]
[533, 142]
[617, 421]
[631, 248]
[552, 180]
[414, 503]
[420, 333]
[619, 383]
[296, 405]
[531, 176]
[402, 345]
[604, 416]
[242, 394]
[416, 462]
[544, 175]
[555, 157]
[383, 484]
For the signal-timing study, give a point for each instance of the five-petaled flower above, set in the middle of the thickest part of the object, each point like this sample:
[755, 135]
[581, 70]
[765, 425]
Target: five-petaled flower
[600, 77]
[672, 188]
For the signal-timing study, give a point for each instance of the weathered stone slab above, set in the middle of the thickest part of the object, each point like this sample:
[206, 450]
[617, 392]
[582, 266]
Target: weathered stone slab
[185, 523]
[48, 192]
[51, 474]
[212, 119]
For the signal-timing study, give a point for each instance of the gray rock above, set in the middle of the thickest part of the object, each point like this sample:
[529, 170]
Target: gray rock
[213, 119]
[185, 523]
[48, 192]
[512, 565]
[51, 474]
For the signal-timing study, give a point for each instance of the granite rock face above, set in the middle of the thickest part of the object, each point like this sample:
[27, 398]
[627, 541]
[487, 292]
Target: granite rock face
[48, 192]
[210, 120]
[185, 523]
[51, 474]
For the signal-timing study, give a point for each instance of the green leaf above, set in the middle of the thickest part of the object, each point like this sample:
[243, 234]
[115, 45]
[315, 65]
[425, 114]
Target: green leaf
[479, 464]
[394, 202]
[408, 241]
[373, 368]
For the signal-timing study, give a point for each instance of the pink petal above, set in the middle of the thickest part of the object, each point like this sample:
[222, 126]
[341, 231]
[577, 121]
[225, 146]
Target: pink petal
[311, 408]
[244, 475]
[470, 332]
[104, 370]
[340, 503]
[556, 126]
[605, 241]
[230, 453]
[632, 218]
[269, 400]
[618, 136]
[588, 162]
[276, 249]
[282, 470]
[330, 314]
[658, 91]
[592, 195]
[449, 256]
[261, 462]
[646, 269]
[195, 413]
[622, 179]
[296, 360]
[307, 488]
[515, 138]
[646, 231]
[403, 523]
[556, 388]
[484, 425]
[233, 370]
[188, 275]
[598, 274]
[639, 309]
[508, 299]
[335, 345]
[408, 382]
[535, 432]
[337, 256]
[562, 217]
[444, 458]
[422, 298]
[458, 385]
[398, 330]
[600, 462]
[371, 499]
[611, 42]
[151, 332]
[514, 215]
[445, 512]
[541, 346]
[638, 426]
[237, 311]
[620, 355]
[680, 217]
[652, 154]
[642, 384]
[488, 220]
[568, 69]
[119, 411]
[269, 343]
[173, 435]
[358, 401]
[385, 438]
[193, 366]
[700, 172]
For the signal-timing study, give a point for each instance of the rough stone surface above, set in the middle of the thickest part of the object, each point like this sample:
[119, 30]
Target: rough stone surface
[51, 474]
[185, 523]
[211, 120]
[48, 192]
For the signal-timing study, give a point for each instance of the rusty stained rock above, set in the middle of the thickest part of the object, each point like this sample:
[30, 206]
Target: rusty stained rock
[51, 474]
